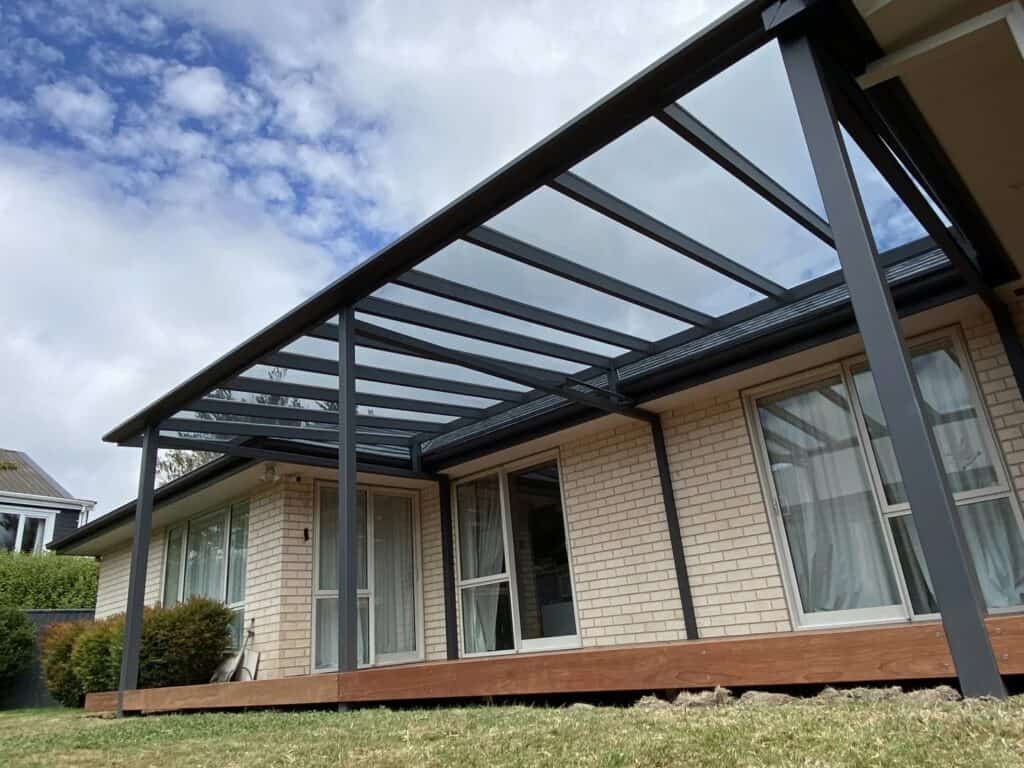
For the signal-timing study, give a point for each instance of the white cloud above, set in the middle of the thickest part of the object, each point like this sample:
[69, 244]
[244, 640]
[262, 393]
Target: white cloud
[80, 106]
[11, 110]
[199, 91]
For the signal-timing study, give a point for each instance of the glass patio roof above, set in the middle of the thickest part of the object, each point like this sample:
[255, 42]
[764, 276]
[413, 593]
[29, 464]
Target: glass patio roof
[667, 232]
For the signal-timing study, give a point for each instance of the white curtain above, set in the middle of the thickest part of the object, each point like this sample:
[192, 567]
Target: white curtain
[327, 632]
[486, 618]
[994, 540]
[204, 562]
[482, 553]
[833, 529]
[172, 568]
[394, 587]
[238, 553]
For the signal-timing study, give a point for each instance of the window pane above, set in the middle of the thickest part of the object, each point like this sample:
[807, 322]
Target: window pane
[32, 534]
[487, 618]
[481, 541]
[204, 562]
[828, 510]
[8, 531]
[327, 632]
[238, 553]
[997, 550]
[394, 569]
[237, 627]
[952, 416]
[327, 541]
[543, 582]
[172, 568]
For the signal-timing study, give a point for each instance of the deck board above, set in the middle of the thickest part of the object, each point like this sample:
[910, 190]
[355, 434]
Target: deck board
[843, 656]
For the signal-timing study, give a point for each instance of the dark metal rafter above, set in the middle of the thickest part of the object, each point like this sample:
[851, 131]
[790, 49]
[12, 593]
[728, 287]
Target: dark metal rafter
[319, 416]
[607, 204]
[248, 429]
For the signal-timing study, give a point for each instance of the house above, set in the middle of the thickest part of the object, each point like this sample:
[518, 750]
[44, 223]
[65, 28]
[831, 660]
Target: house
[34, 508]
[590, 429]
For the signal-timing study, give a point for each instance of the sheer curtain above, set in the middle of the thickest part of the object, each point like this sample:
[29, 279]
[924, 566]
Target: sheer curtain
[994, 540]
[394, 576]
[828, 511]
[204, 563]
[481, 554]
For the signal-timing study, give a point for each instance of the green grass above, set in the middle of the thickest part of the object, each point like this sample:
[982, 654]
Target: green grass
[806, 734]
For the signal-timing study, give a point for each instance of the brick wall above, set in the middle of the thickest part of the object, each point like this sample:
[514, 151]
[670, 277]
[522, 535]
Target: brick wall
[432, 575]
[112, 588]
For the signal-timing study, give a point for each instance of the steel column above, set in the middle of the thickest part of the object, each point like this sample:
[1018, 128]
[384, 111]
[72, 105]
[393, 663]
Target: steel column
[935, 514]
[137, 571]
[674, 534]
[347, 576]
[451, 632]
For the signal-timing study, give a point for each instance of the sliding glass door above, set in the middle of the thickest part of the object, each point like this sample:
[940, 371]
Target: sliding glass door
[515, 584]
[387, 547]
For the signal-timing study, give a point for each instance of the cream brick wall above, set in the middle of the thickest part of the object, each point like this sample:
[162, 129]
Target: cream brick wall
[730, 557]
[625, 580]
[432, 575]
[112, 589]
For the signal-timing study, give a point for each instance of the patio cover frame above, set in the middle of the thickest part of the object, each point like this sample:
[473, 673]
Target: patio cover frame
[821, 63]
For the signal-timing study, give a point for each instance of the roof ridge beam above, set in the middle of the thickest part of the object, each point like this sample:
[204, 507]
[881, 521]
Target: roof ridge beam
[711, 145]
[605, 203]
[531, 255]
[491, 302]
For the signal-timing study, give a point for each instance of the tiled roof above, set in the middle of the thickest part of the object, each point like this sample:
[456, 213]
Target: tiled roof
[20, 474]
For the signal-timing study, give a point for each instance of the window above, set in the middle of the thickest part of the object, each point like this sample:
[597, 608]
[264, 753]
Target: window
[387, 585]
[24, 531]
[514, 576]
[206, 557]
[848, 542]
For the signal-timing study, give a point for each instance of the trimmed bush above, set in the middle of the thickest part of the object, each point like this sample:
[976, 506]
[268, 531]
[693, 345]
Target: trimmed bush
[47, 581]
[17, 640]
[55, 655]
[180, 646]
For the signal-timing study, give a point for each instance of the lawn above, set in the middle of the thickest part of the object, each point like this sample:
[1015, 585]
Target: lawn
[809, 733]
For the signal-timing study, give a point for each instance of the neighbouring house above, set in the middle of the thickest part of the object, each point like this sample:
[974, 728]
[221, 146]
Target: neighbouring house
[34, 508]
[674, 399]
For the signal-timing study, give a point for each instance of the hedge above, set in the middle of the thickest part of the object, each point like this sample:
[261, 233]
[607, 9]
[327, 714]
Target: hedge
[17, 642]
[47, 581]
[181, 645]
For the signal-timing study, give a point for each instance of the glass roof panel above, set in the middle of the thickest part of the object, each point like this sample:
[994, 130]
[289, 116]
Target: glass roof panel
[420, 300]
[464, 344]
[751, 107]
[480, 268]
[555, 223]
[657, 171]
[393, 361]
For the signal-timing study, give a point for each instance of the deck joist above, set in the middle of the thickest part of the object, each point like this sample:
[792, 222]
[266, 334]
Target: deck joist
[891, 653]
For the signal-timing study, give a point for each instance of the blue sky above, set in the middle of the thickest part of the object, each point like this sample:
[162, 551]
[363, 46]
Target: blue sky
[176, 174]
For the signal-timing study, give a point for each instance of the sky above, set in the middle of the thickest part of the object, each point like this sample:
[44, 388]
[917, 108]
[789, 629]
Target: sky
[176, 174]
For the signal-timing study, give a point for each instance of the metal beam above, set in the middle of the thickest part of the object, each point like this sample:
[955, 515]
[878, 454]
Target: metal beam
[931, 502]
[605, 203]
[141, 530]
[247, 429]
[427, 319]
[675, 536]
[716, 149]
[451, 630]
[474, 297]
[551, 383]
[532, 256]
[274, 412]
[400, 378]
[347, 529]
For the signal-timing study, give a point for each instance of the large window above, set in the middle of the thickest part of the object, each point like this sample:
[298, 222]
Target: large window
[387, 586]
[515, 583]
[206, 557]
[25, 531]
[848, 542]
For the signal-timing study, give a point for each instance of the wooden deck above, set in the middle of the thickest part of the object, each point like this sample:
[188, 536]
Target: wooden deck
[903, 652]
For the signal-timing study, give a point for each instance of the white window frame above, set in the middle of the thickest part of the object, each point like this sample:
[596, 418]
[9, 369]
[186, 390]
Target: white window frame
[845, 369]
[562, 642]
[227, 513]
[48, 516]
[374, 659]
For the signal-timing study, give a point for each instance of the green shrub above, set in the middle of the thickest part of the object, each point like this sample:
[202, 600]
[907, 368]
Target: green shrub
[96, 655]
[17, 641]
[55, 655]
[180, 646]
[47, 581]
